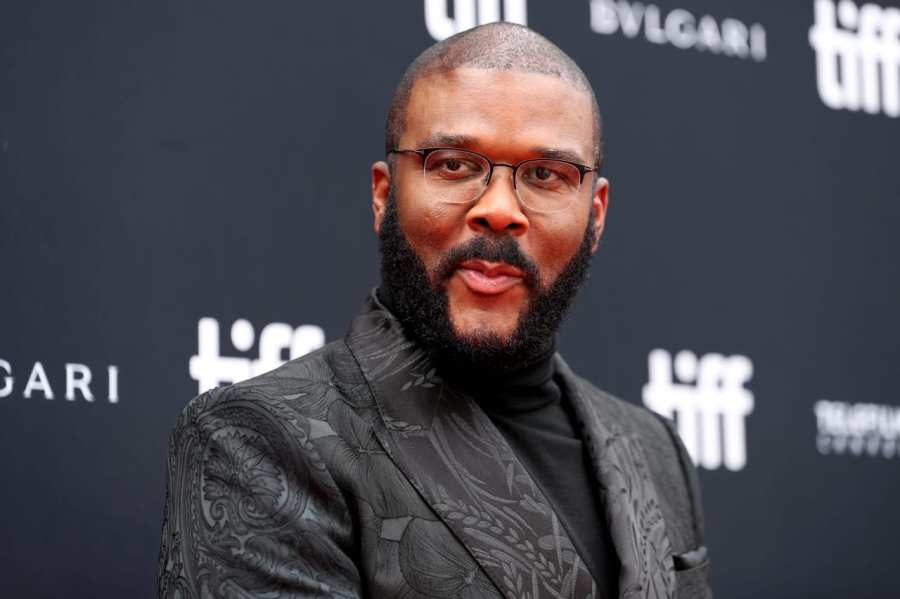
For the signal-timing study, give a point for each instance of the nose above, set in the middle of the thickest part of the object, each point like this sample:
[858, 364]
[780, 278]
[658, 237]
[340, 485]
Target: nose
[498, 210]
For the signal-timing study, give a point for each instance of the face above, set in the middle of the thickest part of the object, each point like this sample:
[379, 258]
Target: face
[492, 258]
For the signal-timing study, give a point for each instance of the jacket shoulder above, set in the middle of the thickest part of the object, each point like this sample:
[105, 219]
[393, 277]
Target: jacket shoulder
[668, 463]
[306, 386]
[249, 494]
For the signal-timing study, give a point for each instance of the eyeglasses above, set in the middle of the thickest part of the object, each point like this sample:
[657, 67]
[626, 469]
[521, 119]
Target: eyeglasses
[455, 176]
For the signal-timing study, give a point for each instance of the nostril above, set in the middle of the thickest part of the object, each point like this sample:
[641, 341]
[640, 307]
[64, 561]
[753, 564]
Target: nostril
[482, 222]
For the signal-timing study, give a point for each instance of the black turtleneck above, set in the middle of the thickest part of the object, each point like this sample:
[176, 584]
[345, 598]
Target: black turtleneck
[528, 407]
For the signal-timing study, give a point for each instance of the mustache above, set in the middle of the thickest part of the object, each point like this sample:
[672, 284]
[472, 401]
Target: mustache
[499, 249]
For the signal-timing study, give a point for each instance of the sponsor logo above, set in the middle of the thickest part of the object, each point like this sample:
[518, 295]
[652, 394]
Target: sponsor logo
[78, 378]
[209, 368]
[709, 403]
[857, 428]
[468, 14]
[857, 56]
[679, 28]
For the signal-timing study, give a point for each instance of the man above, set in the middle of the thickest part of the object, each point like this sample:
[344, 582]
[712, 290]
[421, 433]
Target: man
[443, 448]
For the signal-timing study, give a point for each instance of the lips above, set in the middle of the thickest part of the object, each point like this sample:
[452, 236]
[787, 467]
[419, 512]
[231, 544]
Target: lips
[489, 278]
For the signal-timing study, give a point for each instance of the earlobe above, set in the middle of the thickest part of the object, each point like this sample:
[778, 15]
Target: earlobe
[600, 202]
[381, 189]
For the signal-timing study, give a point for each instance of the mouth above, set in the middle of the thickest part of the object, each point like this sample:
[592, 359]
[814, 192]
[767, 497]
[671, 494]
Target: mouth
[489, 278]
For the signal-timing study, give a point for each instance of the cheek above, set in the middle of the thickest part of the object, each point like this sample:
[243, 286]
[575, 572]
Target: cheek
[555, 244]
[430, 228]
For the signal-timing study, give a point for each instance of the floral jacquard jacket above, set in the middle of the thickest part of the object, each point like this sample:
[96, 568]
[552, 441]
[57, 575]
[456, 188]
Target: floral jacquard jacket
[356, 471]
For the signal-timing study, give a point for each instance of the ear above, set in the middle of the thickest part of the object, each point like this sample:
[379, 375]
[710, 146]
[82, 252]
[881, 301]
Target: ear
[600, 202]
[381, 188]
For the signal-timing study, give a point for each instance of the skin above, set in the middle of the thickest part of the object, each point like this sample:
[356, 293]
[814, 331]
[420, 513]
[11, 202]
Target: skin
[509, 117]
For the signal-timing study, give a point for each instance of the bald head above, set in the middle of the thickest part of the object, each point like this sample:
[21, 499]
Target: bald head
[495, 46]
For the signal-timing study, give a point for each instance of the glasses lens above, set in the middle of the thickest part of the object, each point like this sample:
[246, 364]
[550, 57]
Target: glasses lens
[455, 176]
[548, 185]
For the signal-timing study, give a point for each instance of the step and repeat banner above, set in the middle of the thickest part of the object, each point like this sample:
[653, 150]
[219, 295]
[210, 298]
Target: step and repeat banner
[184, 202]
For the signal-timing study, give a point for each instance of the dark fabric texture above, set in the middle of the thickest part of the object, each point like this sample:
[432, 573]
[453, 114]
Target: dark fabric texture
[356, 471]
[694, 583]
[527, 407]
[545, 441]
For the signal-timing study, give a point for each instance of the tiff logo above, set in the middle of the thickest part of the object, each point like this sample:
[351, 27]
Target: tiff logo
[857, 56]
[209, 368]
[441, 25]
[709, 403]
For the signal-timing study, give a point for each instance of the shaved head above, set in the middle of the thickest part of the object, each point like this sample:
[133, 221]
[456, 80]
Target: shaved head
[495, 46]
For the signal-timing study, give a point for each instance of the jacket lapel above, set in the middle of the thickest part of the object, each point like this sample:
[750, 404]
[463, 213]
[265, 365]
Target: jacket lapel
[464, 469]
[629, 496]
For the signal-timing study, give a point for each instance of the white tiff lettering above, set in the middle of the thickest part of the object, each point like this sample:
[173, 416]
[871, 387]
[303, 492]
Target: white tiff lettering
[709, 403]
[209, 368]
[441, 25]
[858, 63]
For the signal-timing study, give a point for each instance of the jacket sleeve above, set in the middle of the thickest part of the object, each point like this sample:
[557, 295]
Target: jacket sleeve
[251, 509]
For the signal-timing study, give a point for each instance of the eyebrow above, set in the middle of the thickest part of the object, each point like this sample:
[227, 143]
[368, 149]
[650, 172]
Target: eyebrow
[439, 140]
[450, 140]
[560, 154]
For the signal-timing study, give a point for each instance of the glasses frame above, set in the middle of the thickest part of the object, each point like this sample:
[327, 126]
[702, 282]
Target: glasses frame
[424, 152]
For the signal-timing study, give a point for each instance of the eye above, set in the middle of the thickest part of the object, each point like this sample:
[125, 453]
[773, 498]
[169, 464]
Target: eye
[551, 175]
[453, 166]
[542, 173]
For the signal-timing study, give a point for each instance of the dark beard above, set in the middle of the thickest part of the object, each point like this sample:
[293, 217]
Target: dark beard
[422, 305]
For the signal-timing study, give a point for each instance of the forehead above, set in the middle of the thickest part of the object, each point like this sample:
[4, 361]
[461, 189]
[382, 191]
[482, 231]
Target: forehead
[506, 112]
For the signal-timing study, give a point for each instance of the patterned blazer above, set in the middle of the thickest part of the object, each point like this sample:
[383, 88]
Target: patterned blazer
[356, 471]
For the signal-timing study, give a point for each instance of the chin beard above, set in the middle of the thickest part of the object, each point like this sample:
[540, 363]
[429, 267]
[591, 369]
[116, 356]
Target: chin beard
[422, 306]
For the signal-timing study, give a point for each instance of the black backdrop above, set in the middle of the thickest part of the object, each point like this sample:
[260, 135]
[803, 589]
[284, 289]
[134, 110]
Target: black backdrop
[166, 162]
